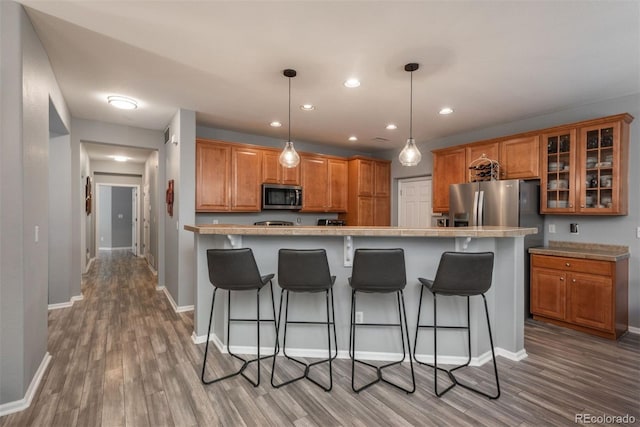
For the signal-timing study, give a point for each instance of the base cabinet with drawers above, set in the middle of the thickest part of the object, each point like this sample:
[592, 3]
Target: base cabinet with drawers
[583, 294]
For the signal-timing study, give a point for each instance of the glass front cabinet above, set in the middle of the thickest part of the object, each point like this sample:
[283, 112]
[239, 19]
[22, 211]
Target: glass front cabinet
[585, 169]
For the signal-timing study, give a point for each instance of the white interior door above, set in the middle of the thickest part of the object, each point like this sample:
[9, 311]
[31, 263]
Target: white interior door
[134, 221]
[146, 212]
[414, 202]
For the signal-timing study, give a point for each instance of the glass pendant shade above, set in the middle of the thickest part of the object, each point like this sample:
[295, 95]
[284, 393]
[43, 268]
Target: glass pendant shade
[410, 155]
[289, 158]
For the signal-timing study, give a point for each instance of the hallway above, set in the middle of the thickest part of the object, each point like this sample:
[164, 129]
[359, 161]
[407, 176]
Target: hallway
[123, 357]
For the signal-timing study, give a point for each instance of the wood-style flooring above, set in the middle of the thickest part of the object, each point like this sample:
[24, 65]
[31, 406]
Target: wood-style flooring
[122, 356]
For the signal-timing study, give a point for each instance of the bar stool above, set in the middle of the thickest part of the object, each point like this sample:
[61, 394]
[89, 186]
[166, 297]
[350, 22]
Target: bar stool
[379, 271]
[461, 274]
[236, 270]
[305, 271]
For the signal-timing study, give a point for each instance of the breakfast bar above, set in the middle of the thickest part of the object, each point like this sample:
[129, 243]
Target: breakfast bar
[423, 248]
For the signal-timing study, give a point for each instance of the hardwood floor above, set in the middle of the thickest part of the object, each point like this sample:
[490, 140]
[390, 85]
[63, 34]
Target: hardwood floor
[122, 356]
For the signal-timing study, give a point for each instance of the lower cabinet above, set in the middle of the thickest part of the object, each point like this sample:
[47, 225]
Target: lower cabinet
[586, 295]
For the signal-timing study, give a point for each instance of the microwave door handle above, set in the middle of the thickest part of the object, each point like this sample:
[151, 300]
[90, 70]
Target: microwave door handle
[481, 209]
[298, 197]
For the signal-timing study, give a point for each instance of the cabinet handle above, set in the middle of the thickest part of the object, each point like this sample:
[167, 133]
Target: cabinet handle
[562, 279]
[570, 205]
[567, 264]
[582, 206]
[574, 280]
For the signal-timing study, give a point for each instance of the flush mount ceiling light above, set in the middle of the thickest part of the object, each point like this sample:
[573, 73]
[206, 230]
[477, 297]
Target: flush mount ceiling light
[275, 124]
[351, 83]
[122, 102]
[410, 155]
[307, 107]
[353, 138]
[120, 158]
[289, 158]
[391, 126]
[445, 110]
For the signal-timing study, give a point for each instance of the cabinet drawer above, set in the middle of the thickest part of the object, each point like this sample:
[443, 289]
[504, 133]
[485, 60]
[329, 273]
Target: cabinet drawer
[603, 268]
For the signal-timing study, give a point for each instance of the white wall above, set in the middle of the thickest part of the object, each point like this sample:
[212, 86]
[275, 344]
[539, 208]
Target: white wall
[151, 179]
[103, 215]
[83, 247]
[594, 229]
[27, 84]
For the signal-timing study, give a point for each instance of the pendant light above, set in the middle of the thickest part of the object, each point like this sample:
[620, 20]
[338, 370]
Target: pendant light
[289, 158]
[410, 155]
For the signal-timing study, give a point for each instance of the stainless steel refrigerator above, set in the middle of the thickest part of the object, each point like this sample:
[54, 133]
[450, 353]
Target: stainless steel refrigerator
[511, 203]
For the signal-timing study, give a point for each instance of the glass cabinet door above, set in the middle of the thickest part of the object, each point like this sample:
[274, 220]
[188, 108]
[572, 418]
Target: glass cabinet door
[600, 161]
[558, 172]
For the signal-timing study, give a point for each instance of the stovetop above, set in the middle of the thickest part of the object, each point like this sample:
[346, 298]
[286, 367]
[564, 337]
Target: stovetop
[274, 223]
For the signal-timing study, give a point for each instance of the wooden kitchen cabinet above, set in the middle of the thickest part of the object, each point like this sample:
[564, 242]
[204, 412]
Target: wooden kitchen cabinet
[274, 173]
[213, 173]
[583, 294]
[474, 152]
[449, 167]
[369, 192]
[519, 158]
[246, 177]
[585, 168]
[324, 184]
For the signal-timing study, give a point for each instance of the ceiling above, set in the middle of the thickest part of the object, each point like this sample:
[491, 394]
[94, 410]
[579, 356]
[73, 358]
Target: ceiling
[106, 152]
[493, 62]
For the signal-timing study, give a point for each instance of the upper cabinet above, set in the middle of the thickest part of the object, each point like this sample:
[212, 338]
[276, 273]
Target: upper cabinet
[213, 173]
[369, 199]
[449, 167]
[519, 158]
[586, 168]
[246, 176]
[324, 184]
[474, 152]
[274, 173]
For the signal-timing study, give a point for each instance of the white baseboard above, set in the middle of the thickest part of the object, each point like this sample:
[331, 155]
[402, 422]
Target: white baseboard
[634, 330]
[116, 249]
[25, 402]
[362, 355]
[151, 269]
[66, 304]
[176, 308]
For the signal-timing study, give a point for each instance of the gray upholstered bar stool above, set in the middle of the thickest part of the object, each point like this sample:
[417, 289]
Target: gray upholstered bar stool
[305, 271]
[379, 271]
[236, 270]
[459, 274]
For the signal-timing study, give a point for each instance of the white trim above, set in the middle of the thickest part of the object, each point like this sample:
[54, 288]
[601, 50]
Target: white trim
[176, 308]
[116, 249]
[65, 304]
[362, 355]
[152, 270]
[25, 402]
[634, 330]
[97, 214]
[89, 264]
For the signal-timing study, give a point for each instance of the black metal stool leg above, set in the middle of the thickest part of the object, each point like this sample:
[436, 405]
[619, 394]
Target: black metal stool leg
[206, 347]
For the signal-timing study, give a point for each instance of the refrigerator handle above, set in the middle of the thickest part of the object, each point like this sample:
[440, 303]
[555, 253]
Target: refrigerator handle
[475, 209]
[481, 208]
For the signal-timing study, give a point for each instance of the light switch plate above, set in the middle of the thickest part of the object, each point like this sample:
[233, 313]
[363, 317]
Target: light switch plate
[552, 228]
[638, 232]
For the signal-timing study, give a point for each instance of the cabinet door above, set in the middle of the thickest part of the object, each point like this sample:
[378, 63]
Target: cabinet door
[449, 167]
[246, 167]
[590, 301]
[603, 168]
[314, 183]
[271, 168]
[365, 211]
[382, 178]
[520, 158]
[338, 181]
[213, 169]
[381, 211]
[548, 293]
[290, 176]
[558, 186]
[365, 177]
[476, 151]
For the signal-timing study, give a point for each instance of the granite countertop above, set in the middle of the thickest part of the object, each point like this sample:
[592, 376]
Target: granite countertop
[477, 232]
[595, 251]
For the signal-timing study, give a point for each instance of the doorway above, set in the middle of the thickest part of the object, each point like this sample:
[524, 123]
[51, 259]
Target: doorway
[414, 202]
[117, 208]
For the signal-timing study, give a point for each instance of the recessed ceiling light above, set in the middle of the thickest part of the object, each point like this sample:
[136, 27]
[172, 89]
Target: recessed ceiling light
[353, 138]
[120, 158]
[391, 126]
[275, 124]
[446, 110]
[352, 83]
[122, 102]
[307, 107]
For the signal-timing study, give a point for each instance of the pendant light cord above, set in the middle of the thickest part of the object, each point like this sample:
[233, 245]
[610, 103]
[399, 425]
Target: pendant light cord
[411, 109]
[289, 109]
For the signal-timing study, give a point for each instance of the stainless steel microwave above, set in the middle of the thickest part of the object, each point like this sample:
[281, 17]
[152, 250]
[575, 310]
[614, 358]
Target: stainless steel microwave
[276, 196]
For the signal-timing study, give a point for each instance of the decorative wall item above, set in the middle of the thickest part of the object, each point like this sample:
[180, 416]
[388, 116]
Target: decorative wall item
[87, 196]
[170, 198]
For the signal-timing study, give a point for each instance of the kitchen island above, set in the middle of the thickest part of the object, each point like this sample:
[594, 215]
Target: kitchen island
[422, 246]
